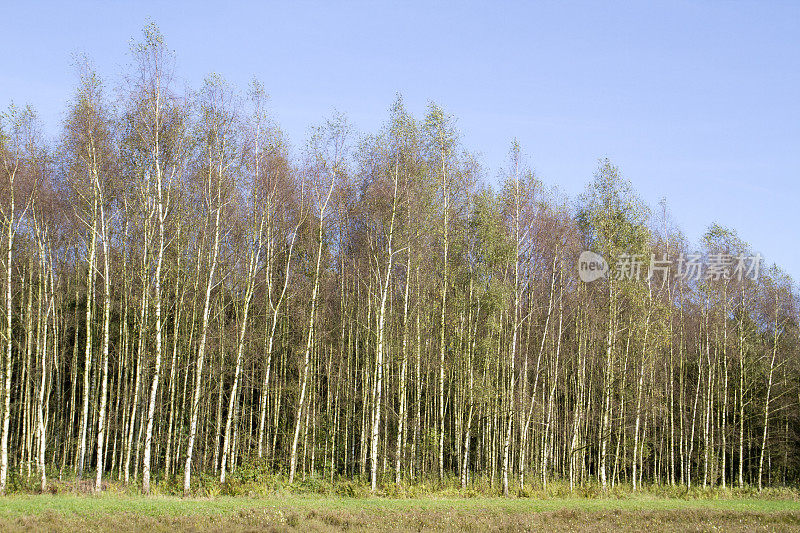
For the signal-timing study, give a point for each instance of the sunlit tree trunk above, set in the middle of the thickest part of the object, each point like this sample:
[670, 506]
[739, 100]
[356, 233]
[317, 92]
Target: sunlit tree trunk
[201, 351]
[639, 389]
[741, 390]
[101, 417]
[10, 169]
[310, 336]
[377, 391]
[232, 400]
[88, 352]
[605, 428]
[775, 335]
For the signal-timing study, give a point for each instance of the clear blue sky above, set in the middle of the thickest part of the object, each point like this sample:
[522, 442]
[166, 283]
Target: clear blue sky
[696, 102]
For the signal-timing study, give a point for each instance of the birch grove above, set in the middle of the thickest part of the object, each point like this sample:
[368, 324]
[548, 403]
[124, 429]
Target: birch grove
[189, 300]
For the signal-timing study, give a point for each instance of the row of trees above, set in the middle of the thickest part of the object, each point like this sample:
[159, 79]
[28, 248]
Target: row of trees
[182, 295]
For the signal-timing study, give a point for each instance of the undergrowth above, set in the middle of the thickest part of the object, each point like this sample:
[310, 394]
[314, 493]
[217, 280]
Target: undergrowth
[257, 481]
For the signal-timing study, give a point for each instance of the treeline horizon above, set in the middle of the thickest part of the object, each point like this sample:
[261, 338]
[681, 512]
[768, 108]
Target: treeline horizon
[184, 296]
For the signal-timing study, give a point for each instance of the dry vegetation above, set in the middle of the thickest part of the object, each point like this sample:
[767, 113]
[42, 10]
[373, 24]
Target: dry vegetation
[432, 513]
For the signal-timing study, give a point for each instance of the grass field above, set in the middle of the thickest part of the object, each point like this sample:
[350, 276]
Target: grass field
[298, 513]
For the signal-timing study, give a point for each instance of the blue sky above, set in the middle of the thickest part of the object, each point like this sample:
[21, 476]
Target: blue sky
[695, 102]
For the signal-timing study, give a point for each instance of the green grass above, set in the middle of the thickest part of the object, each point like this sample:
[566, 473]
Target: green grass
[320, 513]
[13, 506]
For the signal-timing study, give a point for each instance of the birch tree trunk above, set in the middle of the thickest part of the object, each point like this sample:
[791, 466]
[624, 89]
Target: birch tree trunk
[101, 417]
[605, 428]
[775, 334]
[87, 366]
[251, 272]
[376, 418]
[310, 337]
[151, 409]
[9, 344]
[201, 351]
[640, 387]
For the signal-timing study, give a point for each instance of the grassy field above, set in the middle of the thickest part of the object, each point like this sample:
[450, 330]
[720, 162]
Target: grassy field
[297, 513]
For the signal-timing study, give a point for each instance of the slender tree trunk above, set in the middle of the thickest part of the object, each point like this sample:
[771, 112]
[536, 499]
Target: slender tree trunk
[741, 392]
[309, 339]
[151, 409]
[376, 418]
[201, 351]
[8, 347]
[605, 428]
[767, 399]
[639, 389]
[101, 418]
[232, 406]
[402, 389]
[88, 358]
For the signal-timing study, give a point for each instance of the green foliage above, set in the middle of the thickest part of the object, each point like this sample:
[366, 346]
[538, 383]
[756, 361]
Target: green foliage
[612, 216]
[493, 247]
